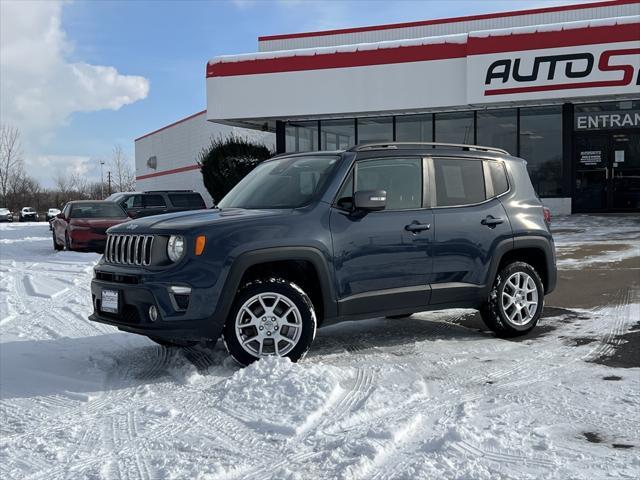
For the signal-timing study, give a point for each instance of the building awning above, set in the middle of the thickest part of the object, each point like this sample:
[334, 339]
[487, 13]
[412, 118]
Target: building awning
[546, 62]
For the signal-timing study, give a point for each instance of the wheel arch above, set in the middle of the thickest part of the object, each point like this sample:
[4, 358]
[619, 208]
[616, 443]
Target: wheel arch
[534, 250]
[304, 265]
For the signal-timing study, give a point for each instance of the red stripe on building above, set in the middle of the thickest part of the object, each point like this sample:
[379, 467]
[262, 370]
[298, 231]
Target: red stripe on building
[439, 21]
[171, 125]
[419, 53]
[364, 58]
[169, 172]
[516, 42]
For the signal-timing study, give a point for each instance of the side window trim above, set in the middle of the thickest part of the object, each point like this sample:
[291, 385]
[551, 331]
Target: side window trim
[488, 180]
[503, 166]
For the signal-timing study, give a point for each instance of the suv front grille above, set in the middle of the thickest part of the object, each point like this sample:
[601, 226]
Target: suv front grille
[129, 249]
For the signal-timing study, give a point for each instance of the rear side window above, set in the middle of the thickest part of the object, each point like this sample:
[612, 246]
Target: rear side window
[400, 177]
[498, 177]
[150, 201]
[187, 200]
[458, 182]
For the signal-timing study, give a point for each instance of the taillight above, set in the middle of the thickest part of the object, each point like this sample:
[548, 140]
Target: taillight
[547, 214]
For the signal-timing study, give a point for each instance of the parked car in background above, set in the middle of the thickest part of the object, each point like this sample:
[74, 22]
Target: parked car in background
[6, 215]
[51, 214]
[82, 225]
[145, 204]
[308, 239]
[28, 214]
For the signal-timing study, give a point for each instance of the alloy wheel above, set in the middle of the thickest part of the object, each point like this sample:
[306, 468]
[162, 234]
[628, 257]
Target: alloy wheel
[268, 324]
[520, 298]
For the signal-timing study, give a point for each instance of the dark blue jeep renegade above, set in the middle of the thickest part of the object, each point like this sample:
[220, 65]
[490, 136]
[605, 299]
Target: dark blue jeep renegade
[308, 239]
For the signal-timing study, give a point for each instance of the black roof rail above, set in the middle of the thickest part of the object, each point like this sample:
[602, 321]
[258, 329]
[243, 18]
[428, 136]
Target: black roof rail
[392, 145]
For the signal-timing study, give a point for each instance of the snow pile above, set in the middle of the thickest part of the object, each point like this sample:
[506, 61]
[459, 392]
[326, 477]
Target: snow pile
[422, 397]
[278, 396]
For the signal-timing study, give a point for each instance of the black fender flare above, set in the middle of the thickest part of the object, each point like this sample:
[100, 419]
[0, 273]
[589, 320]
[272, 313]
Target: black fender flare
[538, 242]
[246, 260]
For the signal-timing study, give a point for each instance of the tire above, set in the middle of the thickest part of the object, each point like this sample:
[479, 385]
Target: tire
[510, 310]
[269, 317]
[174, 343]
[56, 247]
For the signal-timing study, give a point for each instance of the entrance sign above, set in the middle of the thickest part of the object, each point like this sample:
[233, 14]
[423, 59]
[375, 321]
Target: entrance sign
[607, 120]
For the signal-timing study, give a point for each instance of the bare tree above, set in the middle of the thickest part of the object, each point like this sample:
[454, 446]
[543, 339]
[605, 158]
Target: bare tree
[10, 158]
[123, 175]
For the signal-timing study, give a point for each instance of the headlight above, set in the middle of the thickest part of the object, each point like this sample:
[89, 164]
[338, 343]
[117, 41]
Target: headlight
[175, 247]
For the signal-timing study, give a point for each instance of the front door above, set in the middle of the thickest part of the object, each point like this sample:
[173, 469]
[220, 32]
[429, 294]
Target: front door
[382, 259]
[607, 172]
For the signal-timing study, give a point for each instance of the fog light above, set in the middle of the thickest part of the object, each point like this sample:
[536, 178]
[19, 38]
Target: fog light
[153, 313]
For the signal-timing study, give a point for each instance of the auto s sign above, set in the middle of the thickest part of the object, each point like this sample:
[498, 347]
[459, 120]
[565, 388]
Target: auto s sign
[555, 73]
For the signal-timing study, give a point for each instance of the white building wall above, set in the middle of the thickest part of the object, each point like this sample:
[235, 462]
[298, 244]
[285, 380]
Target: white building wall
[515, 19]
[177, 148]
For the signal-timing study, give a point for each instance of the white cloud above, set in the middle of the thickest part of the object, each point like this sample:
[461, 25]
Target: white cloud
[39, 87]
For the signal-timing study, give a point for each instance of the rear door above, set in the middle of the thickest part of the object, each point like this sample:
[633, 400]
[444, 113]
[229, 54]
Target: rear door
[382, 259]
[469, 222]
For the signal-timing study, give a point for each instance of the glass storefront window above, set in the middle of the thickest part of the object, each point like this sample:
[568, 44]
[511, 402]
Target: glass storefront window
[414, 128]
[541, 147]
[301, 136]
[498, 128]
[372, 130]
[454, 127]
[338, 134]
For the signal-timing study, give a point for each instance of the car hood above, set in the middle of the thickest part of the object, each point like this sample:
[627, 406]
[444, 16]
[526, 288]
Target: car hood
[193, 218]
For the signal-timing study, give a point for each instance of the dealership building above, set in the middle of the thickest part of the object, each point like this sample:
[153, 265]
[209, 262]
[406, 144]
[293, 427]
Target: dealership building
[558, 86]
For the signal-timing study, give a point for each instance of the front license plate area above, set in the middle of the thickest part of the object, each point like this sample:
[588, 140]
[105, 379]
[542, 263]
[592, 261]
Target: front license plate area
[109, 301]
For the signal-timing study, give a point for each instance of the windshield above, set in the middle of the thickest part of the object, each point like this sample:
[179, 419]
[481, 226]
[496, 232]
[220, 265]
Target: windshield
[283, 183]
[27, 209]
[97, 210]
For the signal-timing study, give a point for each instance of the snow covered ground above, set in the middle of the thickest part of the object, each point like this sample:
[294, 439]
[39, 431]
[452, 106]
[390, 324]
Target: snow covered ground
[431, 396]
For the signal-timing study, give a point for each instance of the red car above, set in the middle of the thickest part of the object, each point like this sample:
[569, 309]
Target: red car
[82, 224]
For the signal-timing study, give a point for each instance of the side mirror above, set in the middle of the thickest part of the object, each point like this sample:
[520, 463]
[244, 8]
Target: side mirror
[370, 200]
[60, 215]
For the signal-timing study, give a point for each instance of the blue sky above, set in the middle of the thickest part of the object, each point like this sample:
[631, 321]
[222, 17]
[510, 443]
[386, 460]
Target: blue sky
[159, 50]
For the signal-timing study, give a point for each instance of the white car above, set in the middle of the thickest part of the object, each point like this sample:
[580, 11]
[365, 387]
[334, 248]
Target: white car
[6, 215]
[28, 214]
[51, 214]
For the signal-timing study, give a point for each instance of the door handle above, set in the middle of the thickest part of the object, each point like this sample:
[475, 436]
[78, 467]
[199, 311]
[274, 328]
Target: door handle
[491, 221]
[416, 226]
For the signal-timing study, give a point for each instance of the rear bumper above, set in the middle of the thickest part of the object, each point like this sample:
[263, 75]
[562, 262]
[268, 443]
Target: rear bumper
[193, 323]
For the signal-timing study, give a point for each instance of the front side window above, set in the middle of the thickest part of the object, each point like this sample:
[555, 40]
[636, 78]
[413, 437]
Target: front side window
[401, 178]
[458, 182]
[134, 201]
[282, 183]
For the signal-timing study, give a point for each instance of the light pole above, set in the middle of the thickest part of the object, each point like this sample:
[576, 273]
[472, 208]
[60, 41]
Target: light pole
[101, 181]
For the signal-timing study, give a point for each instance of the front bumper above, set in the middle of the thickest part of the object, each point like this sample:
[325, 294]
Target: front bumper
[137, 293]
[87, 240]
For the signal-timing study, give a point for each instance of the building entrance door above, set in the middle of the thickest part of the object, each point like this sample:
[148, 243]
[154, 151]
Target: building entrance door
[607, 172]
